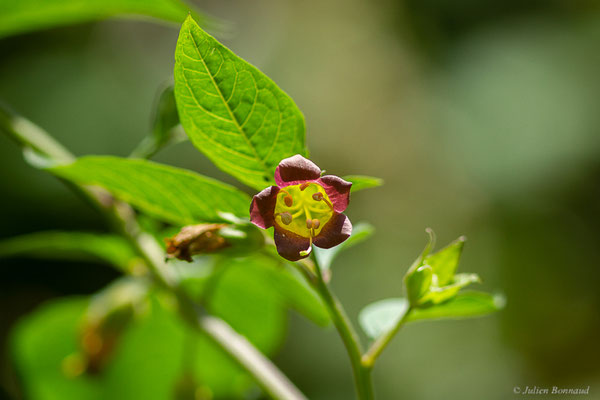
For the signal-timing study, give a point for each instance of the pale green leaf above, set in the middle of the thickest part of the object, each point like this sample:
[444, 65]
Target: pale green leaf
[59, 245]
[360, 182]
[19, 16]
[167, 193]
[464, 305]
[381, 316]
[231, 111]
[360, 232]
[445, 261]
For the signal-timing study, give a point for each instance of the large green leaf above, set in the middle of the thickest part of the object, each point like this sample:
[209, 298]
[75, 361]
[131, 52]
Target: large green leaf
[285, 284]
[148, 363]
[231, 111]
[71, 246]
[167, 193]
[19, 16]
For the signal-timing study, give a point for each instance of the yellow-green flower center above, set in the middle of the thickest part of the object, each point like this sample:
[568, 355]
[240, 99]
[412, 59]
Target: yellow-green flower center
[303, 209]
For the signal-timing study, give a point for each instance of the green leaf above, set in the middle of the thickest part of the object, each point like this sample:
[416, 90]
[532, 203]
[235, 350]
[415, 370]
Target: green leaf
[19, 16]
[111, 249]
[379, 317]
[360, 232]
[167, 193]
[445, 261]
[42, 341]
[360, 182]
[164, 126]
[269, 275]
[418, 283]
[231, 111]
[439, 294]
[464, 305]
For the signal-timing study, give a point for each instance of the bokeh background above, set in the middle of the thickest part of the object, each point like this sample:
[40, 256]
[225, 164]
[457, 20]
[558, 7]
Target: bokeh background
[481, 117]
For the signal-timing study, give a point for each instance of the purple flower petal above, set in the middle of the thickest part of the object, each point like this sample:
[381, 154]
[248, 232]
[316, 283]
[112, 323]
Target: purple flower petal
[289, 245]
[295, 170]
[337, 229]
[338, 191]
[263, 206]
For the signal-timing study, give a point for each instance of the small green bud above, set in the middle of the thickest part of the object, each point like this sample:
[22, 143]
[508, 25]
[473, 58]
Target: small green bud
[418, 282]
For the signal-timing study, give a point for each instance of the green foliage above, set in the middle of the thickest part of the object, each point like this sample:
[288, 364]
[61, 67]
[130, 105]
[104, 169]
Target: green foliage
[437, 294]
[432, 290]
[42, 342]
[249, 305]
[167, 193]
[231, 111]
[269, 277]
[463, 305]
[289, 285]
[19, 16]
[432, 279]
[360, 182]
[381, 316]
[252, 294]
[111, 249]
[360, 232]
[445, 261]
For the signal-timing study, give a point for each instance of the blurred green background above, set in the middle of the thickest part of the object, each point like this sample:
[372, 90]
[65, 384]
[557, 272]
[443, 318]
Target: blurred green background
[481, 117]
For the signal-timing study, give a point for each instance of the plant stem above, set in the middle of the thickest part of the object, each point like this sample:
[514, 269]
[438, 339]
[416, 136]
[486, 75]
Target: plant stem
[362, 375]
[122, 219]
[368, 360]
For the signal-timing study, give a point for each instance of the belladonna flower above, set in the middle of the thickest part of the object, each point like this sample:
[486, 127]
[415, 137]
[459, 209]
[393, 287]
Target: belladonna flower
[305, 208]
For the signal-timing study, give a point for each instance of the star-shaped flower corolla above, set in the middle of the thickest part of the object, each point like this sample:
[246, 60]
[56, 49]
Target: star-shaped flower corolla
[305, 208]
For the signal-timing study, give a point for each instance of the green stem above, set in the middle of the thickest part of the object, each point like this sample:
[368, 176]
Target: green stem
[122, 219]
[362, 374]
[368, 360]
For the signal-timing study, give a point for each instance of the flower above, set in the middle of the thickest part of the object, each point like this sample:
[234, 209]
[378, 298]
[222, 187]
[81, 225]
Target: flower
[305, 208]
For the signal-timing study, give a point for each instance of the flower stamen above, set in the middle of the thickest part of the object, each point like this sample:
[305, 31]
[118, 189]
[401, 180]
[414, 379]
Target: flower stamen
[319, 197]
[286, 217]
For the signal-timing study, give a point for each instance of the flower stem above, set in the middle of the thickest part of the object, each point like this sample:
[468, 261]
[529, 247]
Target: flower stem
[362, 374]
[122, 219]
